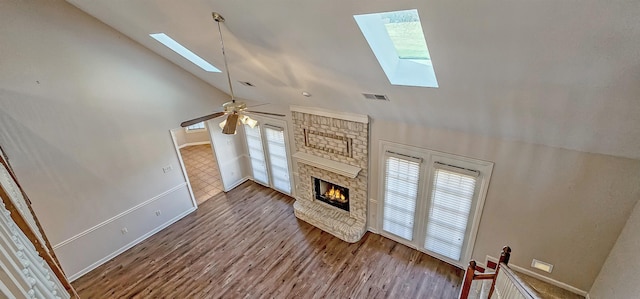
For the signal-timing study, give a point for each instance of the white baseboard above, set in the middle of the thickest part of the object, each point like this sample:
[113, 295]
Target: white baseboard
[128, 246]
[194, 143]
[104, 223]
[552, 281]
[236, 184]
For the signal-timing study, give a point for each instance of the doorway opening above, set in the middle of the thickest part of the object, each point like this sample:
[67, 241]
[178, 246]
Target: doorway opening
[193, 145]
[202, 170]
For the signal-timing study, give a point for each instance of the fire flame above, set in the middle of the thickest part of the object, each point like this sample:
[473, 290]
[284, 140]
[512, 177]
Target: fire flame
[335, 194]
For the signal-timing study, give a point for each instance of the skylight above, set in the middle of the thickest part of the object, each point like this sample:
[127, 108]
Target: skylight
[397, 41]
[184, 52]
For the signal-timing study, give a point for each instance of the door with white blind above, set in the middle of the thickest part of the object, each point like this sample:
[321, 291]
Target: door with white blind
[267, 146]
[278, 161]
[451, 200]
[256, 154]
[402, 180]
[432, 201]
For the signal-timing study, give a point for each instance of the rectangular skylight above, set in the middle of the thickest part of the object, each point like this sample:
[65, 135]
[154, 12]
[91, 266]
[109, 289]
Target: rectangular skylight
[397, 41]
[184, 52]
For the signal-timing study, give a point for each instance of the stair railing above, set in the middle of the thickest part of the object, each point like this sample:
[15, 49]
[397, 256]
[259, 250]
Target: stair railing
[504, 283]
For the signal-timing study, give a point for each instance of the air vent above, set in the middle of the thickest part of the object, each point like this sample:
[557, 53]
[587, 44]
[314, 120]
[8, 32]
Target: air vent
[246, 83]
[378, 97]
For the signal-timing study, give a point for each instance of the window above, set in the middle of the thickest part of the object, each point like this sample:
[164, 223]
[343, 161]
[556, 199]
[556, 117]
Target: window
[431, 200]
[278, 158]
[196, 127]
[397, 41]
[256, 153]
[184, 52]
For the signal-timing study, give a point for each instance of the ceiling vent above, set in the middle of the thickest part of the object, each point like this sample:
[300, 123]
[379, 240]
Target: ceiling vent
[246, 83]
[378, 97]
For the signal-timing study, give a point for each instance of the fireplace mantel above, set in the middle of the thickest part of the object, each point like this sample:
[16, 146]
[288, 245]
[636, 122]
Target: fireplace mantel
[328, 165]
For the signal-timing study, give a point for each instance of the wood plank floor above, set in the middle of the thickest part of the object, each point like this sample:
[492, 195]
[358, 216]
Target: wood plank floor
[248, 244]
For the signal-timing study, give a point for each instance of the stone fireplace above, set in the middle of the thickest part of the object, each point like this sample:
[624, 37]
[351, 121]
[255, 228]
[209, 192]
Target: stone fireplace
[332, 154]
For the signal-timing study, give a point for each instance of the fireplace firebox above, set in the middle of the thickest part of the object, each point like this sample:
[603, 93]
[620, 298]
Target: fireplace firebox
[332, 194]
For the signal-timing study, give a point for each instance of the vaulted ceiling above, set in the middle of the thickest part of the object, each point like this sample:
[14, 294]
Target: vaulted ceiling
[559, 73]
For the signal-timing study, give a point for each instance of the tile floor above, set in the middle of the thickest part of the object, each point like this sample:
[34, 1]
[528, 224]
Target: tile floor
[202, 170]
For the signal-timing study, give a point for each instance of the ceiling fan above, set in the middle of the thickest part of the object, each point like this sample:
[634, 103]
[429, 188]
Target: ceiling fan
[236, 111]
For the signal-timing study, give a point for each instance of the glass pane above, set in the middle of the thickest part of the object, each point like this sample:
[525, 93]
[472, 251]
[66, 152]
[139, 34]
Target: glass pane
[405, 30]
[452, 195]
[256, 152]
[198, 126]
[278, 159]
[400, 194]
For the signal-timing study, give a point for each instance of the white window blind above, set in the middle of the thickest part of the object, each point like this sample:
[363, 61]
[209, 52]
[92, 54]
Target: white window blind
[256, 153]
[452, 195]
[198, 126]
[278, 158]
[402, 176]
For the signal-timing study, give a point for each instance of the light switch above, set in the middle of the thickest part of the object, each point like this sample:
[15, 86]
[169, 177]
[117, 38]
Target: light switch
[167, 168]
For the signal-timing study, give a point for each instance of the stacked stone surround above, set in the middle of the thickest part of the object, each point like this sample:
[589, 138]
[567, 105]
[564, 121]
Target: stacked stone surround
[343, 141]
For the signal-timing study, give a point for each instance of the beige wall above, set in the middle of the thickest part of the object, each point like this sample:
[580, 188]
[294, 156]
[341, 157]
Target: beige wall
[619, 275]
[560, 206]
[85, 115]
[182, 137]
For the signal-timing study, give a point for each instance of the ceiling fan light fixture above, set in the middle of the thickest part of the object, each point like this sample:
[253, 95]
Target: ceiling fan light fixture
[249, 121]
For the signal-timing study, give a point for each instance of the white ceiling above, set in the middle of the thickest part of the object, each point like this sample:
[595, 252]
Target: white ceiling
[559, 73]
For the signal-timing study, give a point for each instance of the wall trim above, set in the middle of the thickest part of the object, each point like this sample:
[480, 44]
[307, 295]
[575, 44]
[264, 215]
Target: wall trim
[546, 279]
[236, 184]
[128, 246]
[103, 223]
[194, 143]
[194, 202]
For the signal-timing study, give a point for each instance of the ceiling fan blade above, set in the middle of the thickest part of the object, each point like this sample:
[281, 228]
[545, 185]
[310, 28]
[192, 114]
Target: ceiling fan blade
[201, 119]
[230, 126]
[257, 105]
[265, 113]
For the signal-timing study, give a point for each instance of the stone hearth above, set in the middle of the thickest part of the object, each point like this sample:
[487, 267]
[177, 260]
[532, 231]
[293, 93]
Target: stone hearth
[333, 147]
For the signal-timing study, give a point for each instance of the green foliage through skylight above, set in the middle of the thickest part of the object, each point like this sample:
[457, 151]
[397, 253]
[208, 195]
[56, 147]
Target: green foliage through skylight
[405, 31]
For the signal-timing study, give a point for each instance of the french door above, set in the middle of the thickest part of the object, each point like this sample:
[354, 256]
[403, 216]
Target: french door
[432, 201]
[268, 154]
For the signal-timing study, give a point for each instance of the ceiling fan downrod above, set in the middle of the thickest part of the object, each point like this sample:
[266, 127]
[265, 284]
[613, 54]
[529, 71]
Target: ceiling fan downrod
[218, 18]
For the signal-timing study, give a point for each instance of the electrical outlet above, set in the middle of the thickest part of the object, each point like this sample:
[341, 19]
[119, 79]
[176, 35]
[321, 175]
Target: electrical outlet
[167, 168]
[124, 230]
[158, 212]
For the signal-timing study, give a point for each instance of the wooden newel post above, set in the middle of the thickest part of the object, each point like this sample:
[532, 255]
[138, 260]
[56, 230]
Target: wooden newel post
[505, 255]
[468, 279]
